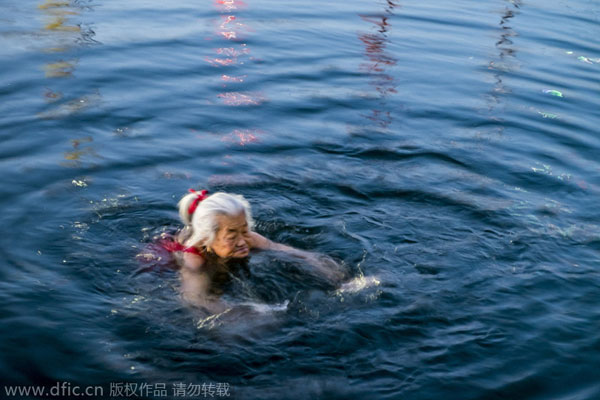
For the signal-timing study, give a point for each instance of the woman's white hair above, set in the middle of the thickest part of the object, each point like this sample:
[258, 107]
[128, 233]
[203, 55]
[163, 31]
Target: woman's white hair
[201, 226]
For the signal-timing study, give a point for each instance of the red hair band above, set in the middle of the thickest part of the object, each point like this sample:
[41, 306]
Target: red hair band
[199, 197]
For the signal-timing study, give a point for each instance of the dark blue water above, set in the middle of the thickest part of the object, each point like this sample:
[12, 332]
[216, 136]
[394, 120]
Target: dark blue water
[447, 151]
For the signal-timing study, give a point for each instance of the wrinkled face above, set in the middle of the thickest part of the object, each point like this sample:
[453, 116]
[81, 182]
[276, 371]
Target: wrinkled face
[232, 238]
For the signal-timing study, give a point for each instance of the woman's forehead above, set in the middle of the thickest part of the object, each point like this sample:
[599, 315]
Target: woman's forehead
[232, 222]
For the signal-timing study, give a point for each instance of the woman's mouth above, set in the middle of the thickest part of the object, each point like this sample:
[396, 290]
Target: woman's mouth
[241, 250]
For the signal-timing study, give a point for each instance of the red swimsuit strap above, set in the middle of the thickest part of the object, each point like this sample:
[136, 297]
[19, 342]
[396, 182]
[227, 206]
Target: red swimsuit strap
[192, 250]
[173, 246]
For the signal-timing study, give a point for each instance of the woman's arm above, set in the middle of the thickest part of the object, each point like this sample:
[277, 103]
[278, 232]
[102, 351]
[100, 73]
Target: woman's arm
[324, 265]
[258, 241]
[195, 285]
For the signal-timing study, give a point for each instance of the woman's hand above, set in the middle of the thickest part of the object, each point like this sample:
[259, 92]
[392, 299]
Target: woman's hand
[326, 267]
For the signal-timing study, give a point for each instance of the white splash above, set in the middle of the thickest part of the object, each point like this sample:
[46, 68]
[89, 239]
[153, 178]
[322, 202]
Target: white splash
[357, 284]
[212, 321]
[219, 319]
[266, 308]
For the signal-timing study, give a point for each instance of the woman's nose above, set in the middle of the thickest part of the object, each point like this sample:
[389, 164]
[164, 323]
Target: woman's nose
[241, 242]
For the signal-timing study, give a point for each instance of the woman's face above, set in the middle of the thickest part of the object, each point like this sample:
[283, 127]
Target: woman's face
[233, 237]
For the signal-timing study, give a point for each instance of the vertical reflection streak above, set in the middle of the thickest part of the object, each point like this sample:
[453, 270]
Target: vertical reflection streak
[379, 62]
[231, 57]
[504, 63]
[67, 37]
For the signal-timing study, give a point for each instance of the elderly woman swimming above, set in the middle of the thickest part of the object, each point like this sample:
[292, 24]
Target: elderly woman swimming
[218, 230]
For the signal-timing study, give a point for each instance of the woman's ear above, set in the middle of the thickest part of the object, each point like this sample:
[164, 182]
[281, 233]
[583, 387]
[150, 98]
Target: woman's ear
[205, 247]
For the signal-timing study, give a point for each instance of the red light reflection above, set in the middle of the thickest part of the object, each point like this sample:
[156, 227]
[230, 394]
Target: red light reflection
[229, 5]
[243, 137]
[236, 79]
[231, 52]
[241, 99]
[220, 62]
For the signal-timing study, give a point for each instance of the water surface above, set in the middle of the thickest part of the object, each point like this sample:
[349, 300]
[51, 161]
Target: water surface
[447, 151]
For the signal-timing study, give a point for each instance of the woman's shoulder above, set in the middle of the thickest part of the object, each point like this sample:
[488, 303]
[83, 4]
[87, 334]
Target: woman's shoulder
[175, 243]
[193, 259]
